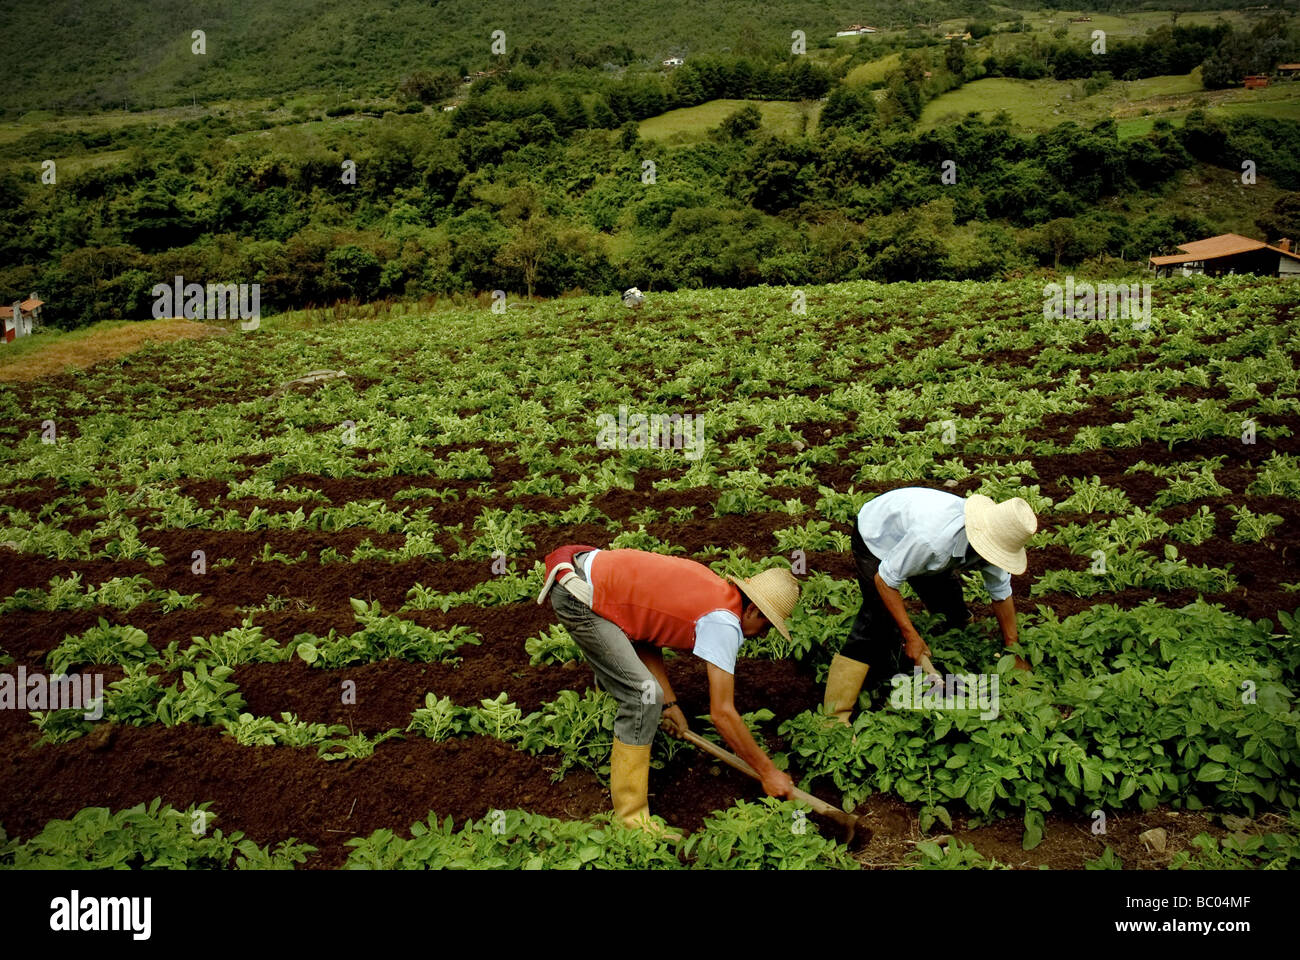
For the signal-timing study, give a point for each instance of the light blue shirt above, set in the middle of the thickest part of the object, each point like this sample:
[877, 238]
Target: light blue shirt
[917, 531]
[718, 635]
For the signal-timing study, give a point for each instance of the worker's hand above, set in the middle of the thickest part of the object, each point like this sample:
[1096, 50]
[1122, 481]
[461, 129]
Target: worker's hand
[916, 648]
[674, 721]
[778, 783]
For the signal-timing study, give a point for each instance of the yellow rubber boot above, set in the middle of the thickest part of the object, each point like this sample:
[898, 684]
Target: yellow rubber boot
[629, 784]
[843, 684]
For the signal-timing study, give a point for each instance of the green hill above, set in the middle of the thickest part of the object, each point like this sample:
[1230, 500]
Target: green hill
[780, 117]
[1042, 104]
[99, 54]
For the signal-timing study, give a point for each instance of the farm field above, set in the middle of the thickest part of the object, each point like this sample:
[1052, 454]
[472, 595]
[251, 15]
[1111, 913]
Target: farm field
[1127, 24]
[313, 604]
[873, 71]
[1136, 105]
[780, 118]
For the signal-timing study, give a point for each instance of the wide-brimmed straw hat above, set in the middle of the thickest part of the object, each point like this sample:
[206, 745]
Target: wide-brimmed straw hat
[774, 592]
[999, 531]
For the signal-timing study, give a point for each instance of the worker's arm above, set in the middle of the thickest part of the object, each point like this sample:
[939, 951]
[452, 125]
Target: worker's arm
[1005, 611]
[722, 710]
[653, 658]
[914, 646]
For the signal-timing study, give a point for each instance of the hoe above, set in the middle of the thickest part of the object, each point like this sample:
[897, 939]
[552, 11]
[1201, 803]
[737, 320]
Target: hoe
[855, 831]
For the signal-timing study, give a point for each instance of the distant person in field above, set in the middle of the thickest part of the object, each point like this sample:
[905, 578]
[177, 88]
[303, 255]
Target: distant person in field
[622, 607]
[924, 537]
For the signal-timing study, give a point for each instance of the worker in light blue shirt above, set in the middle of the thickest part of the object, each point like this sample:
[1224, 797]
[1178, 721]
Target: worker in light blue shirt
[924, 537]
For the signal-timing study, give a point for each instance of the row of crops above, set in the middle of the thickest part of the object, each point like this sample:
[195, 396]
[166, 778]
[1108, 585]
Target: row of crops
[181, 521]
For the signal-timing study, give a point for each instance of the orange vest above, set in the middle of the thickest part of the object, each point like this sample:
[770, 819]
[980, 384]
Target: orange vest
[656, 598]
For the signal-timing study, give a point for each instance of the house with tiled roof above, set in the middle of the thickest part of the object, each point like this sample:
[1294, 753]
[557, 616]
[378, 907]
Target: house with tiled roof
[1230, 253]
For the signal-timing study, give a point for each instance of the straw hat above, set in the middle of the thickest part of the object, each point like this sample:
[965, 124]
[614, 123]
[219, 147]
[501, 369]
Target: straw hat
[999, 531]
[774, 592]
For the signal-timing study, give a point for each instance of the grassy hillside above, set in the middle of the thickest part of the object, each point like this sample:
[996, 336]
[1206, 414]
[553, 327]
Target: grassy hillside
[873, 71]
[780, 118]
[367, 46]
[1041, 104]
[364, 47]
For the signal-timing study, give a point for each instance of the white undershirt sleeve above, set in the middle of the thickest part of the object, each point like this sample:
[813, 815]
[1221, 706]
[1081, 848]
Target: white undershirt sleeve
[718, 638]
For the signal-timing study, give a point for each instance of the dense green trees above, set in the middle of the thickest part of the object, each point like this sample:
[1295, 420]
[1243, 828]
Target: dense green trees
[1241, 53]
[513, 205]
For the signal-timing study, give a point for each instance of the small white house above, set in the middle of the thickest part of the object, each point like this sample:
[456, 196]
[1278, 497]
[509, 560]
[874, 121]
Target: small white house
[17, 319]
[674, 62]
[856, 30]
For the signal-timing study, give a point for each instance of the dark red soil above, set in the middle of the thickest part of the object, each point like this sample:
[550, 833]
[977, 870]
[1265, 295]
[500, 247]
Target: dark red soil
[272, 793]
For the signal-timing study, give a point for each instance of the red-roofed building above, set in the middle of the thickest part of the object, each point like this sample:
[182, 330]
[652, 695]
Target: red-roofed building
[1230, 253]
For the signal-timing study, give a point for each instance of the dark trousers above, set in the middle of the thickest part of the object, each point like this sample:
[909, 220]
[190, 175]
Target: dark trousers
[875, 638]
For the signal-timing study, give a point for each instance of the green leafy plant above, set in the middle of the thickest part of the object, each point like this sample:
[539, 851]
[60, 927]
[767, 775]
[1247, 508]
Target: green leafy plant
[251, 731]
[381, 637]
[553, 646]
[1109, 860]
[514, 839]
[358, 746]
[950, 855]
[103, 643]
[1196, 528]
[439, 719]
[152, 837]
[1253, 527]
[498, 718]
[238, 645]
[764, 835]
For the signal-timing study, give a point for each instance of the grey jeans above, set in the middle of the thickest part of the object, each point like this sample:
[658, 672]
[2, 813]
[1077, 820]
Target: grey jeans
[619, 671]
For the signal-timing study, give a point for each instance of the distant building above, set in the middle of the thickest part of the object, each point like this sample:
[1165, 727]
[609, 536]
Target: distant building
[1230, 253]
[18, 318]
[1289, 69]
[957, 36]
[1255, 81]
[1081, 19]
[674, 62]
[856, 30]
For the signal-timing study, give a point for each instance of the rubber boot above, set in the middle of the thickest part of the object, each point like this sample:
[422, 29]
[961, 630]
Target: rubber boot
[629, 784]
[843, 684]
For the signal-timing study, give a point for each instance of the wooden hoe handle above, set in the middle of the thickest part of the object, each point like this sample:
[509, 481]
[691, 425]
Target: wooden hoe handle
[731, 760]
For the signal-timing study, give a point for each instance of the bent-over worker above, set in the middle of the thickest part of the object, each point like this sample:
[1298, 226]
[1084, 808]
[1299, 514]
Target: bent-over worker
[924, 537]
[622, 607]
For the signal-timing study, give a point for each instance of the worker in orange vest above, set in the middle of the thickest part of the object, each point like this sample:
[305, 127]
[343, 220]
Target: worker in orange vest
[622, 606]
